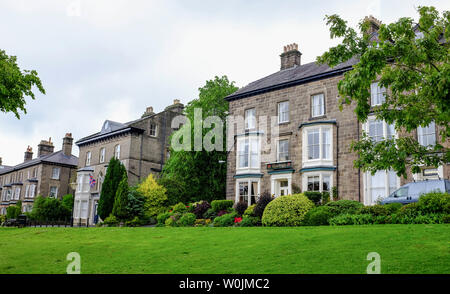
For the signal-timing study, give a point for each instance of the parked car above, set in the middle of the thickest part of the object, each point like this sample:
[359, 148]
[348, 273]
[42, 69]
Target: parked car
[411, 192]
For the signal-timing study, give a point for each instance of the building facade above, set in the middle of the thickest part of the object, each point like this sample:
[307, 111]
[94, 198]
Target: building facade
[48, 175]
[141, 145]
[290, 136]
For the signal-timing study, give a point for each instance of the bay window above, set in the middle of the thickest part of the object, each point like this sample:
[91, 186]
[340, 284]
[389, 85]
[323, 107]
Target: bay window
[247, 190]
[248, 153]
[317, 145]
[317, 181]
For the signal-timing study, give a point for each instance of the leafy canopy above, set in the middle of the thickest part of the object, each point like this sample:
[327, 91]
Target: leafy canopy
[114, 175]
[154, 195]
[411, 60]
[15, 85]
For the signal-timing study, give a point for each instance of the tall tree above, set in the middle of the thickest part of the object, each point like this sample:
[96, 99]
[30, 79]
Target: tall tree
[15, 85]
[113, 177]
[201, 172]
[121, 199]
[410, 60]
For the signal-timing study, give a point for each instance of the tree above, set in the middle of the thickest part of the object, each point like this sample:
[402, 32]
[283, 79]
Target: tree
[411, 60]
[154, 194]
[67, 202]
[49, 209]
[121, 199]
[201, 174]
[113, 177]
[15, 85]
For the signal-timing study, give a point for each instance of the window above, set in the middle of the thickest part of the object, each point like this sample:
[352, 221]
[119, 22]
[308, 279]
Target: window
[55, 173]
[283, 150]
[380, 185]
[314, 183]
[250, 119]
[248, 153]
[152, 130]
[317, 105]
[102, 155]
[283, 112]
[84, 209]
[377, 94]
[247, 191]
[17, 194]
[27, 191]
[427, 135]
[32, 191]
[117, 151]
[317, 181]
[88, 158]
[378, 130]
[34, 172]
[314, 150]
[53, 192]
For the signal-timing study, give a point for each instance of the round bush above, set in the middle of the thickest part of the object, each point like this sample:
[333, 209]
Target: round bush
[188, 219]
[434, 203]
[318, 216]
[249, 210]
[180, 207]
[286, 211]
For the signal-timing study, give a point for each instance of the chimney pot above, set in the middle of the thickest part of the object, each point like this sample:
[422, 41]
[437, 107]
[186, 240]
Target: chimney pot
[28, 154]
[45, 147]
[67, 144]
[291, 57]
[176, 101]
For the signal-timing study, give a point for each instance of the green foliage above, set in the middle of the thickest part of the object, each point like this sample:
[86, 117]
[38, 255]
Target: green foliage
[393, 207]
[15, 85]
[319, 216]
[434, 203]
[249, 221]
[240, 207]
[210, 213]
[175, 190]
[352, 219]
[135, 206]
[67, 202]
[286, 210]
[121, 200]
[180, 207]
[446, 219]
[113, 176]
[111, 221]
[409, 210]
[162, 217]
[201, 173]
[345, 206]
[13, 211]
[218, 205]
[2, 219]
[172, 220]
[135, 222]
[416, 72]
[202, 222]
[186, 220]
[226, 220]
[334, 193]
[375, 210]
[249, 210]
[155, 196]
[49, 209]
[318, 197]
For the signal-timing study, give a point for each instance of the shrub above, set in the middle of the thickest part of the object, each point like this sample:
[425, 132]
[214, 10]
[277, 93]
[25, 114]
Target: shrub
[162, 217]
[121, 199]
[2, 219]
[201, 208]
[188, 219]
[47, 208]
[287, 210]
[240, 207]
[409, 210]
[352, 219]
[175, 190]
[218, 205]
[263, 200]
[375, 210]
[249, 221]
[111, 221]
[202, 222]
[135, 222]
[434, 203]
[171, 222]
[393, 207]
[222, 212]
[135, 206]
[345, 206]
[249, 210]
[325, 197]
[67, 202]
[210, 213]
[180, 207]
[446, 219]
[225, 220]
[318, 216]
[110, 184]
[314, 196]
[155, 196]
[13, 211]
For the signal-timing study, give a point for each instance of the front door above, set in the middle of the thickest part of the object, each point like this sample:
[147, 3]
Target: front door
[284, 189]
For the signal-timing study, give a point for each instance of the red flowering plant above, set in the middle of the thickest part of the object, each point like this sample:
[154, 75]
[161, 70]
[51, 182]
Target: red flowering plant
[237, 220]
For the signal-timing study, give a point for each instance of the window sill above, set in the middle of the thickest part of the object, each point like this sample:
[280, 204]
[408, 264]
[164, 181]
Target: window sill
[283, 123]
[317, 117]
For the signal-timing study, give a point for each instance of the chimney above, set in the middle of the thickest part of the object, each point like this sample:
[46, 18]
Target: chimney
[67, 144]
[290, 57]
[374, 24]
[148, 111]
[45, 147]
[28, 154]
[176, 101]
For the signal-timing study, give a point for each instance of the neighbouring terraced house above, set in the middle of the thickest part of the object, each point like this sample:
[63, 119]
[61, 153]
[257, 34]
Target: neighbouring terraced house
[307, 147]
[48, 175]
[141, 145]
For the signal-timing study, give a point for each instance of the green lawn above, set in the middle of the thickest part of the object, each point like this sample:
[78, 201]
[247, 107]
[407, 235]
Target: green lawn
[403, 249]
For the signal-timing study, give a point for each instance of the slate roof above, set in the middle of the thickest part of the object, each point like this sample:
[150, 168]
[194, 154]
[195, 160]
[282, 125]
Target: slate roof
[290, 77]
[56, 158]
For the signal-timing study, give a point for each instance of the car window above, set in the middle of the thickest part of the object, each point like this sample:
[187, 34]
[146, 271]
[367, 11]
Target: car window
[447, 186]
[402, 192]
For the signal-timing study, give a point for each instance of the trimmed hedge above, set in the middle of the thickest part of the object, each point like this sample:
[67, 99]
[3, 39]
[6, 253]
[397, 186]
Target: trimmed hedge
[226, 220]
[345, 206]
[218, 205]
[286, 211]
[318, 216]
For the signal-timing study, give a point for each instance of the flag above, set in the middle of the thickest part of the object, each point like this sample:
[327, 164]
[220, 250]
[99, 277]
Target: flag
[91, 181]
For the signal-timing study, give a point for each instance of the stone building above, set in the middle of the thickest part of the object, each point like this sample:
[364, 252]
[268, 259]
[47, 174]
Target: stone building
[141, 145]
[47, 175]
[290, 136]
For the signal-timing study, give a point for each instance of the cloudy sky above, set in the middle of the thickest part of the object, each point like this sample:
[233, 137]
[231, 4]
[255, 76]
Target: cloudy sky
[106, 59]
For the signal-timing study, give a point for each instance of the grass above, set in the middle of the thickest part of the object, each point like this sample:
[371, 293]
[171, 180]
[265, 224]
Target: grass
[403, 249]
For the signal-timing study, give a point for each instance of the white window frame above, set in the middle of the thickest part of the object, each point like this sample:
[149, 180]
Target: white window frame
[56, 192]
[377, 94]
[367, 182]
[278, 150]
[322, 161]
[275, 182]
[88, 158]
[321, 105]
[249, 182]
[250, 118]
[17, 193]
[283, 117]
[252, 141]
[117, 151]
[84, 209]
[102, 154]
[150, 130]
[56, 177]
[423, 135]
[372, 118]
[321, 175]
